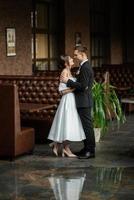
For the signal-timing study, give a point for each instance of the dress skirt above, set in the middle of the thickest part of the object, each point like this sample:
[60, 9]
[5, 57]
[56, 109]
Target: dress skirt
[66, 124]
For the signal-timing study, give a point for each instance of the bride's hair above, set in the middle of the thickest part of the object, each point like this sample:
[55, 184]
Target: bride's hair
[64, 59]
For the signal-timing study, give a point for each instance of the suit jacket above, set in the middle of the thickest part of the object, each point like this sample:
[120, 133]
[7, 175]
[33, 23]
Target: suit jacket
[83, 86]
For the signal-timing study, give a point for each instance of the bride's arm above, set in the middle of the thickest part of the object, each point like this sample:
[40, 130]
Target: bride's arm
[67, 91]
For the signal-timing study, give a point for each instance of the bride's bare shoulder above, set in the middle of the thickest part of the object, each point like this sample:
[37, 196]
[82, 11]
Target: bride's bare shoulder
[64, 72]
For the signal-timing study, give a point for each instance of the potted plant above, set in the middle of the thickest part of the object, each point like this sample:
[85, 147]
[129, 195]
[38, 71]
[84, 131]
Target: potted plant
[106, 107]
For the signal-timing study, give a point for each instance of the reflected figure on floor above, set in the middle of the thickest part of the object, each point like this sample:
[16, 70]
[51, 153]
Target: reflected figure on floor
[67, 188]
[66, 125]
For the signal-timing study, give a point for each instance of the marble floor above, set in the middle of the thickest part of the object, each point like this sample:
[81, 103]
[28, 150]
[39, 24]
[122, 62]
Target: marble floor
[42, 176]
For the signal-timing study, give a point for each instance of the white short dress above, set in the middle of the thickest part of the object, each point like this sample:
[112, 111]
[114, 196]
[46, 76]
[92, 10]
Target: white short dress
[66, 124]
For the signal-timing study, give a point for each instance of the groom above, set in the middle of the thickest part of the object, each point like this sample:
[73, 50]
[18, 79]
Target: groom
[83, 96]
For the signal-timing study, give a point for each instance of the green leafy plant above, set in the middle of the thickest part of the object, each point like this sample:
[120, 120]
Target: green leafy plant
[106, 106]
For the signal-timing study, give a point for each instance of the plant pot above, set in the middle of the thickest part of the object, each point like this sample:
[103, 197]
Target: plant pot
[97, 134]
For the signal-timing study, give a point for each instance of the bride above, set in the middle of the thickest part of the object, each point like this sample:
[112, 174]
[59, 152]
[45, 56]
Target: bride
[66, 125]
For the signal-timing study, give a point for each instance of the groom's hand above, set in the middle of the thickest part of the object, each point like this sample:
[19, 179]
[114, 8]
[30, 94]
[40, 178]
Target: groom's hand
[63, 79]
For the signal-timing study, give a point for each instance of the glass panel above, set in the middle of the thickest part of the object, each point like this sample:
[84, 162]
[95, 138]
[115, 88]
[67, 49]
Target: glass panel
[92, 62]
[42, 19]
[96, 46]
[98, 5]
[95, 62]
[99, 32]
[32, 47]
[41, 65]
[53, 46]
[101, 50]
[41, 46]
[101, 62]
[46, 43]
[32, 19]
[53, 65]
[53, 21]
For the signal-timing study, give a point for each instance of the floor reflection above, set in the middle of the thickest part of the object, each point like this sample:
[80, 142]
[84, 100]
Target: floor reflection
[74, 185]
[107, 177]
[67, 188]
[23, 183]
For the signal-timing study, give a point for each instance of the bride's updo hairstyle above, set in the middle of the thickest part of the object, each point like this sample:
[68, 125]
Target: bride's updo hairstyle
[64, 59]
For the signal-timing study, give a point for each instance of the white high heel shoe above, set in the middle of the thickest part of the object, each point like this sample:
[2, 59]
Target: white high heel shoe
[70, 155]
[54, 147]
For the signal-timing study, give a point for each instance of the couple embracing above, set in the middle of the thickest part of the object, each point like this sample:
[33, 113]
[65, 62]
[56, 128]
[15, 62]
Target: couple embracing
[72, 121]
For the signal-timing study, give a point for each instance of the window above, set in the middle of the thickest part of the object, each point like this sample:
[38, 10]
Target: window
[99, 34]
[45, 40]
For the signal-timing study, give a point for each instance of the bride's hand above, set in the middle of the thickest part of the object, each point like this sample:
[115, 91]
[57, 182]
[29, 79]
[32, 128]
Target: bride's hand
[63, 79]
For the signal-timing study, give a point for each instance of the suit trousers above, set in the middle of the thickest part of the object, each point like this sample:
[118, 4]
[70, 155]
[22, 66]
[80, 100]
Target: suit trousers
[85, 116]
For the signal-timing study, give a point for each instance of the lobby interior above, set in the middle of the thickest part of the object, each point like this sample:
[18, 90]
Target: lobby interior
[33, 35]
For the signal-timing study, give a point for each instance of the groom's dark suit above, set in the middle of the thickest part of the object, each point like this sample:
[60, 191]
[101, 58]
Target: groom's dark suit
[83, 96]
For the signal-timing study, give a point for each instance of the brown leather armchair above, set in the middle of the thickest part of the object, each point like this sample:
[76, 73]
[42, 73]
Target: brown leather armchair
[14, 140]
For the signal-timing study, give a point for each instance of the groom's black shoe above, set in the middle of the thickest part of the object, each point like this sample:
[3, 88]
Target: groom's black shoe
[86, 155]
[79, 153]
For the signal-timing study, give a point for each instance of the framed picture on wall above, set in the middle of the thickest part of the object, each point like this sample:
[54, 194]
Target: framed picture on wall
[77, 39]
[11, 41]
